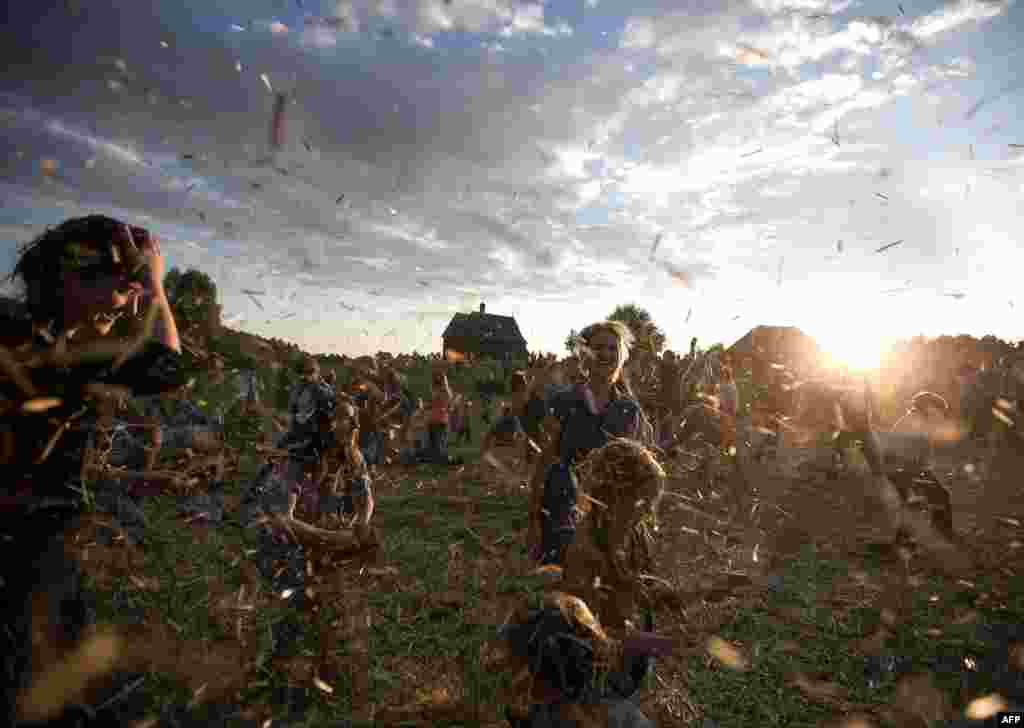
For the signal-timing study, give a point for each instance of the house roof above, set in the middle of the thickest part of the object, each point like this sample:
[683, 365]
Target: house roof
[789, 336]
[485, 327]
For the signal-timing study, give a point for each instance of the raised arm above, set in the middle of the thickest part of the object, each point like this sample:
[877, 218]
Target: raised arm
[547, 457]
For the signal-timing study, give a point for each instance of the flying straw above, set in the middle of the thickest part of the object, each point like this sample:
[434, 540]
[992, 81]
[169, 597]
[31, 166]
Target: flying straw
[654, 247]
[277, 123]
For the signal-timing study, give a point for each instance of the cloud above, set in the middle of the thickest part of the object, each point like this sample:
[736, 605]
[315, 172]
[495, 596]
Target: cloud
[507, 152]
[955, 14]
[423, 18]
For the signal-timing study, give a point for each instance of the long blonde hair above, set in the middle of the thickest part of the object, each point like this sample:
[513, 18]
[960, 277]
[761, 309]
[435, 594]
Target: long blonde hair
[625, 338]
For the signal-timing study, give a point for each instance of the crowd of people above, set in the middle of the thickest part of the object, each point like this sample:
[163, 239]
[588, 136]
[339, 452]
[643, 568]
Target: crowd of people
[63, 372]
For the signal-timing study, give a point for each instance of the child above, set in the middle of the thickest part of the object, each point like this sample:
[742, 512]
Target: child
[530, 403]
[464, 435]
[455, 420]
[438, 419]
[728, 405]
[310, 409]
[573, 644]
[351, 480]
[413, 436]
[507, 431]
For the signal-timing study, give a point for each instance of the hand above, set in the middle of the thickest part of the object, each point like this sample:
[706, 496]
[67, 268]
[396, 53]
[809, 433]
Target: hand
[149, 248]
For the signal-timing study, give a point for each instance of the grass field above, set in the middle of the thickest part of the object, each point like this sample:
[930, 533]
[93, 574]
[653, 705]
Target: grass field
[400, 637]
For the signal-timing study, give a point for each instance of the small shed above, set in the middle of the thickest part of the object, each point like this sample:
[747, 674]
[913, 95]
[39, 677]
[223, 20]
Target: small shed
[483, 335]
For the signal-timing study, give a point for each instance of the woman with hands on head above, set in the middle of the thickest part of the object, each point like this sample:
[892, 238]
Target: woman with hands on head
[78, 278]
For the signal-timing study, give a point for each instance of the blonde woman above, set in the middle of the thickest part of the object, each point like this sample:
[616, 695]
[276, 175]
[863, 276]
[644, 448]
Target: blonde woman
[587, 416]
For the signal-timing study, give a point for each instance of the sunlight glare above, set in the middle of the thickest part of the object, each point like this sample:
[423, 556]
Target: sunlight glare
[859, 350]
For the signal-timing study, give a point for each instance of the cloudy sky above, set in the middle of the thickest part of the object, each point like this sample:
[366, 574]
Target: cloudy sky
[722, 163]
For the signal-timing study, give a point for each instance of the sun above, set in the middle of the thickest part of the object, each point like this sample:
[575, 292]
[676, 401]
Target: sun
[858, 351]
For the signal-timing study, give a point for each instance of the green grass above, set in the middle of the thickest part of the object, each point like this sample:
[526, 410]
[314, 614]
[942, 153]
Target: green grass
[191, 574]
[406, 627]
[762, 695]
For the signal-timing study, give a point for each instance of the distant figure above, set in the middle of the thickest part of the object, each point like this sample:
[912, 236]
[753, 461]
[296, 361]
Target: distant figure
[965, 380]
[441, 399]
[671, 386]
[351, 480]
[454, 422]
[310, 417]
[729, 406]
[507, 432]
[728, 393]
[464, 432]
[249, 388]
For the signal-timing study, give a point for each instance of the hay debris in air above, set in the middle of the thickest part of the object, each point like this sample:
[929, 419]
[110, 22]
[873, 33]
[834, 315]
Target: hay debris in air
[41, 404]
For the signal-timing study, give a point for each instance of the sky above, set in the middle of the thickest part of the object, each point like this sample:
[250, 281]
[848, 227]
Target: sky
[723, 164]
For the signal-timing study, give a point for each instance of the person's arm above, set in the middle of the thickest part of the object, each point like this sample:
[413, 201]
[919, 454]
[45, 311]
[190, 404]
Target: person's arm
[165, 328]
[388, 413]
[488, 444]
[554, 421]
[372, 389]
[413, 429]
[535, 517]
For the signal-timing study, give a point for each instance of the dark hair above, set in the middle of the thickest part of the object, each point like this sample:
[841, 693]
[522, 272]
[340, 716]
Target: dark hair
[76, 245]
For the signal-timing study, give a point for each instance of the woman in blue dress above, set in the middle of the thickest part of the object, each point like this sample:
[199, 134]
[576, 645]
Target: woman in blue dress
[589, 414]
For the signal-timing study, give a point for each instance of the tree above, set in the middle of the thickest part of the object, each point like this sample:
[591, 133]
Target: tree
[193, 297]
[648, 337]
[570, 341]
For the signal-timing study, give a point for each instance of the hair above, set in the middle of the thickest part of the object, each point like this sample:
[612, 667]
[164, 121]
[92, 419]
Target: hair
[624, 336]
[44, 261]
